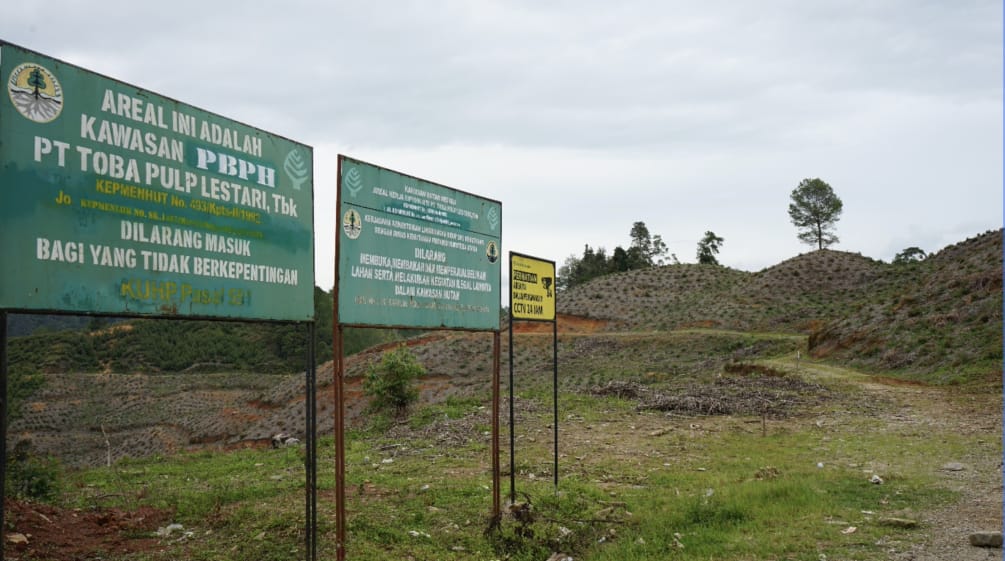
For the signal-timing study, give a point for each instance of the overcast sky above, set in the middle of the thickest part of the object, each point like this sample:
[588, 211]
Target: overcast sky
[583, 117]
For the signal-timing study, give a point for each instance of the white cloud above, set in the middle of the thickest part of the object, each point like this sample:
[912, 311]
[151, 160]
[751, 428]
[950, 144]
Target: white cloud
[584, 117]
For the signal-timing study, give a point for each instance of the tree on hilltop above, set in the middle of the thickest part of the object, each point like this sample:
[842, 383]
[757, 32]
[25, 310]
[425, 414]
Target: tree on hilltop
[645, 251]
[708, 248]
[815, 209]
[910, 255]
[575, 270]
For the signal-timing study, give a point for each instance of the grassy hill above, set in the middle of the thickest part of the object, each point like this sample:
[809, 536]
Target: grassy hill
[145, 387]
[706, 413]
[938, 320]
[793, 296]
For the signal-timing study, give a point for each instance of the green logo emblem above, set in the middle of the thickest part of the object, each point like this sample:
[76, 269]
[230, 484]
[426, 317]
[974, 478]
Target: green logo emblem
[493, 217]
[296, 168]
[35, 92]
[353, 181]
[352, 224]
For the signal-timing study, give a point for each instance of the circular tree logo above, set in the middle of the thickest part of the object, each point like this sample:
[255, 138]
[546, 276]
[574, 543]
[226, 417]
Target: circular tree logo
[492, 252]
[35, 92]
[352, 224]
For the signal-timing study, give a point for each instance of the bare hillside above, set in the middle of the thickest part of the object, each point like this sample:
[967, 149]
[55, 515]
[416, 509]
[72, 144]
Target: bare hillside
[793, 296]
[940, 318]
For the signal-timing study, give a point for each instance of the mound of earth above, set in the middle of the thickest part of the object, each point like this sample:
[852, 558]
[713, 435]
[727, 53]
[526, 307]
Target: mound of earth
[38, 531]
[794, 295]
[942, 318]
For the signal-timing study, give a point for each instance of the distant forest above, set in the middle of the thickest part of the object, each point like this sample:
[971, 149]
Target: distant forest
[645, 251]
[63, 343]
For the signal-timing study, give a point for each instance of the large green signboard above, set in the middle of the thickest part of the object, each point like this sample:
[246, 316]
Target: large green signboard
[415, 254]
[117, 200]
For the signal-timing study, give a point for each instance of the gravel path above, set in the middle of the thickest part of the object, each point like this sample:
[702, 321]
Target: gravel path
[977, 476]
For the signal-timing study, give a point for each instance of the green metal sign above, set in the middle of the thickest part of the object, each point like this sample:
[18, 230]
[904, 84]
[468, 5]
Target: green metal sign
[415, 254]
[117, 200]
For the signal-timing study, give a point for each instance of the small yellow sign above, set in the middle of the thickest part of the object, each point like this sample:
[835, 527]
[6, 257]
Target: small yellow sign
[532, 288]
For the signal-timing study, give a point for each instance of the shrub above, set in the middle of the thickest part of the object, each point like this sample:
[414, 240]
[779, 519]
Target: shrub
[31, 477]
[390, 384]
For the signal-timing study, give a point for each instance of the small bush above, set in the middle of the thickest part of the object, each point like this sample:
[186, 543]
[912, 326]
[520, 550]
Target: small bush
[31, 477]
[390, 384]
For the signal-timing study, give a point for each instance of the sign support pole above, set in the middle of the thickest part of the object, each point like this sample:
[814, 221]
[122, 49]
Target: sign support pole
[532, 287]
[339, 444]
[496, 351]
[310, 435]
[512, 435]
[3, 423]
[554, 362]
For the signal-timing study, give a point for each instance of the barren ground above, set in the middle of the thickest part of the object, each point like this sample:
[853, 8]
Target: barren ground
[36, 531]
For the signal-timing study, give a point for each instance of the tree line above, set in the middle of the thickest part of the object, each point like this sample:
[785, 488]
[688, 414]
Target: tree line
[645, 250]
[814, 211]
[181, 345]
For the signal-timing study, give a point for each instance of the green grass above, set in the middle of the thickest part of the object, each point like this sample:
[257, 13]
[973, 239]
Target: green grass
[194, 486]
[451, 408]
[627, 491]
[727, 512]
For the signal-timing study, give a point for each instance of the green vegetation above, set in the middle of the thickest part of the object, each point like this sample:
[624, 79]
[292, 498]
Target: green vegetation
[722, 415]
[814, 210]
[910, 255]
[452, 408]
[30, 476]
[708, 248]
[937, 320]
[390, 384]
[646, 251]
[188, 345]
[634, 485]
[172, 346]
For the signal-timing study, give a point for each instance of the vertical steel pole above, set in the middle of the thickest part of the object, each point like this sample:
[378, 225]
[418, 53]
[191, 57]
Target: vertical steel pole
[554, 361]
[310, 435]
[512, 434]
[3, 425]
[314, 443]
[339, 445]
[337, 375]
[496, 351]
[307, 442]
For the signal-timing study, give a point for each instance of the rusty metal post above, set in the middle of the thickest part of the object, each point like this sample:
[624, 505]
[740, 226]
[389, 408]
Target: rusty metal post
[496, 350]
[338, 376]
[554, 389]
[338, 373]
[3, 424]
[310, 436]
[512, 422]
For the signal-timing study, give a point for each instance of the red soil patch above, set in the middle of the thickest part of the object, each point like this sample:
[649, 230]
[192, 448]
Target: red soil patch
[38, 531]
[566, 324]
[232, 413]
[394, 344]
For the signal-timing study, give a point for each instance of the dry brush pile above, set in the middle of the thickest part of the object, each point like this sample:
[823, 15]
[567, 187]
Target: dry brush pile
[745, 390]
